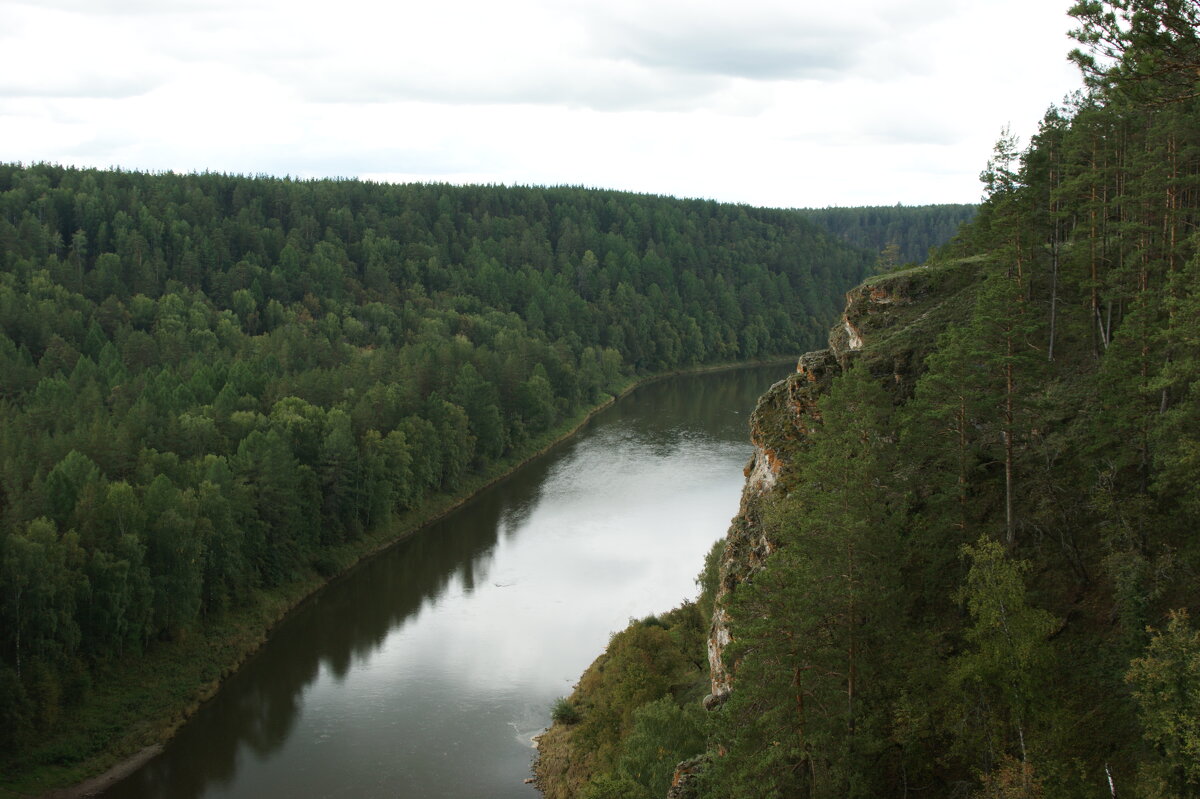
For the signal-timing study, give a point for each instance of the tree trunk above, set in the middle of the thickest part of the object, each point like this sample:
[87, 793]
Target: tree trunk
[1010, 527]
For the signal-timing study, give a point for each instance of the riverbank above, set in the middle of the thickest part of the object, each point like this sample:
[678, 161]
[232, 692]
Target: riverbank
[95, 785]
[171, 682]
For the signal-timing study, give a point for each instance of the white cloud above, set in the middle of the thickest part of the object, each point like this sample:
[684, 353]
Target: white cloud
[766, 102]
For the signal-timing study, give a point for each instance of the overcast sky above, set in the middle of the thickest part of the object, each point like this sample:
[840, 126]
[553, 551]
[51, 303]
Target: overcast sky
[792, 104]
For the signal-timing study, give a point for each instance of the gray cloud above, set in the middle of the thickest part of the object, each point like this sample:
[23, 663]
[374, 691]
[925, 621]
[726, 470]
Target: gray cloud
[598, 87]
[716, 48]
[765, 96]
[772, 40]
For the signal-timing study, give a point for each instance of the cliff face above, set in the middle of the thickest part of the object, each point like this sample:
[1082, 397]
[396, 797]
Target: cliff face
[889, 325]
[891, 322]
[779, 426]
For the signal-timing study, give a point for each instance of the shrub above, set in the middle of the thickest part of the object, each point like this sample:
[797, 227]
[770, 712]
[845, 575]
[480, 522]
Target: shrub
[564, 712]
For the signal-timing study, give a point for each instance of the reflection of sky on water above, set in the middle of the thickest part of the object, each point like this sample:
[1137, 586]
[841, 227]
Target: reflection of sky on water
[426, 671]
[604, 543]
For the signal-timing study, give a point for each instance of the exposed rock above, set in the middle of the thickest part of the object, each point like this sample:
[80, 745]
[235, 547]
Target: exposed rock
[871, 308]
[778, 427]
[887, 328]
[888, 325]
[683, 782]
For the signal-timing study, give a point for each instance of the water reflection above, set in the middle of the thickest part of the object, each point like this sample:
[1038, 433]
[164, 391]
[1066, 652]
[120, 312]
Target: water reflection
[426, 670]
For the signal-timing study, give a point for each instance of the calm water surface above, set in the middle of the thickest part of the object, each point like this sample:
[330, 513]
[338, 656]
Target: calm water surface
[427, 670]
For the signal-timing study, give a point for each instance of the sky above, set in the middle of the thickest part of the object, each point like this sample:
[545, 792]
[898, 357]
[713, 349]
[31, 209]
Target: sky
[764, 102]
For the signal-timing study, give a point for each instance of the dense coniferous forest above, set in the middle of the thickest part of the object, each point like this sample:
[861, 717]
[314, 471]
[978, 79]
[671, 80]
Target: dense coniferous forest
[900, 234]
[209, 384]
[983, 569]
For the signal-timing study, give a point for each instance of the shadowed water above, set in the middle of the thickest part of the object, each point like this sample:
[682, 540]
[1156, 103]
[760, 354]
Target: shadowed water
[426, 671]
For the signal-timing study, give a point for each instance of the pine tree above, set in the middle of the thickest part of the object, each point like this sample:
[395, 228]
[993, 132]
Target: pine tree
[811, 706]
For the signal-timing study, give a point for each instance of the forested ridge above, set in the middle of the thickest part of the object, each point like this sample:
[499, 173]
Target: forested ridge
[967, 563]
[899, 233]
[211, 384]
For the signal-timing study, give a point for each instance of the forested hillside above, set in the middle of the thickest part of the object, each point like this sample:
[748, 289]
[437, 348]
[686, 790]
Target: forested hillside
[966, 562]
[210, 385]
[900, 234]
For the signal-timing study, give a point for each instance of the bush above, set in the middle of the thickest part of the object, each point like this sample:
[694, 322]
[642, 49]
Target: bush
[614, 786]
[663, 734]
[564, 712]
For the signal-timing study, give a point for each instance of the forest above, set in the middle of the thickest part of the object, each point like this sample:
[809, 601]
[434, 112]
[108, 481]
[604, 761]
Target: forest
[979, 554]
[900, 234]
[215, 387]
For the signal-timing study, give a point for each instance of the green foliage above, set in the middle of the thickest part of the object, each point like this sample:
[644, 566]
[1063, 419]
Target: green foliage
[1166, 685]
[961, 569]
[999, 675]
[663, 735]
[707, 579]
[635, 713]
[812, 645]
[898, 234]
[209, 384]
[614, 786]
[564, 712]
[1012, 779]
[66, 482]
[1144, 49]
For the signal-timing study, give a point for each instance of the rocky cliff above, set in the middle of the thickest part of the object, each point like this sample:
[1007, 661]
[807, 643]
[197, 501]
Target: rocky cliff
[892, 322]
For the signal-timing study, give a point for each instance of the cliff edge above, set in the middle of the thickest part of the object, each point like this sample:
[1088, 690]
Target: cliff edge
[891, 322]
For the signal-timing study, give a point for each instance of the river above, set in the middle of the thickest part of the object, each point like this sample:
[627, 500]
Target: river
[427, 670]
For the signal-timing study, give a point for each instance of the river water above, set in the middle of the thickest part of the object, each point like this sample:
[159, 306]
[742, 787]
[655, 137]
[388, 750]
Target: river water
[428, 669]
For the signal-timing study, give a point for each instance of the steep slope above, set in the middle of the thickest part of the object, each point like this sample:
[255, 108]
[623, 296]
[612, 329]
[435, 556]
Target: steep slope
[965, 563]
[966, 559]
[889, 325]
